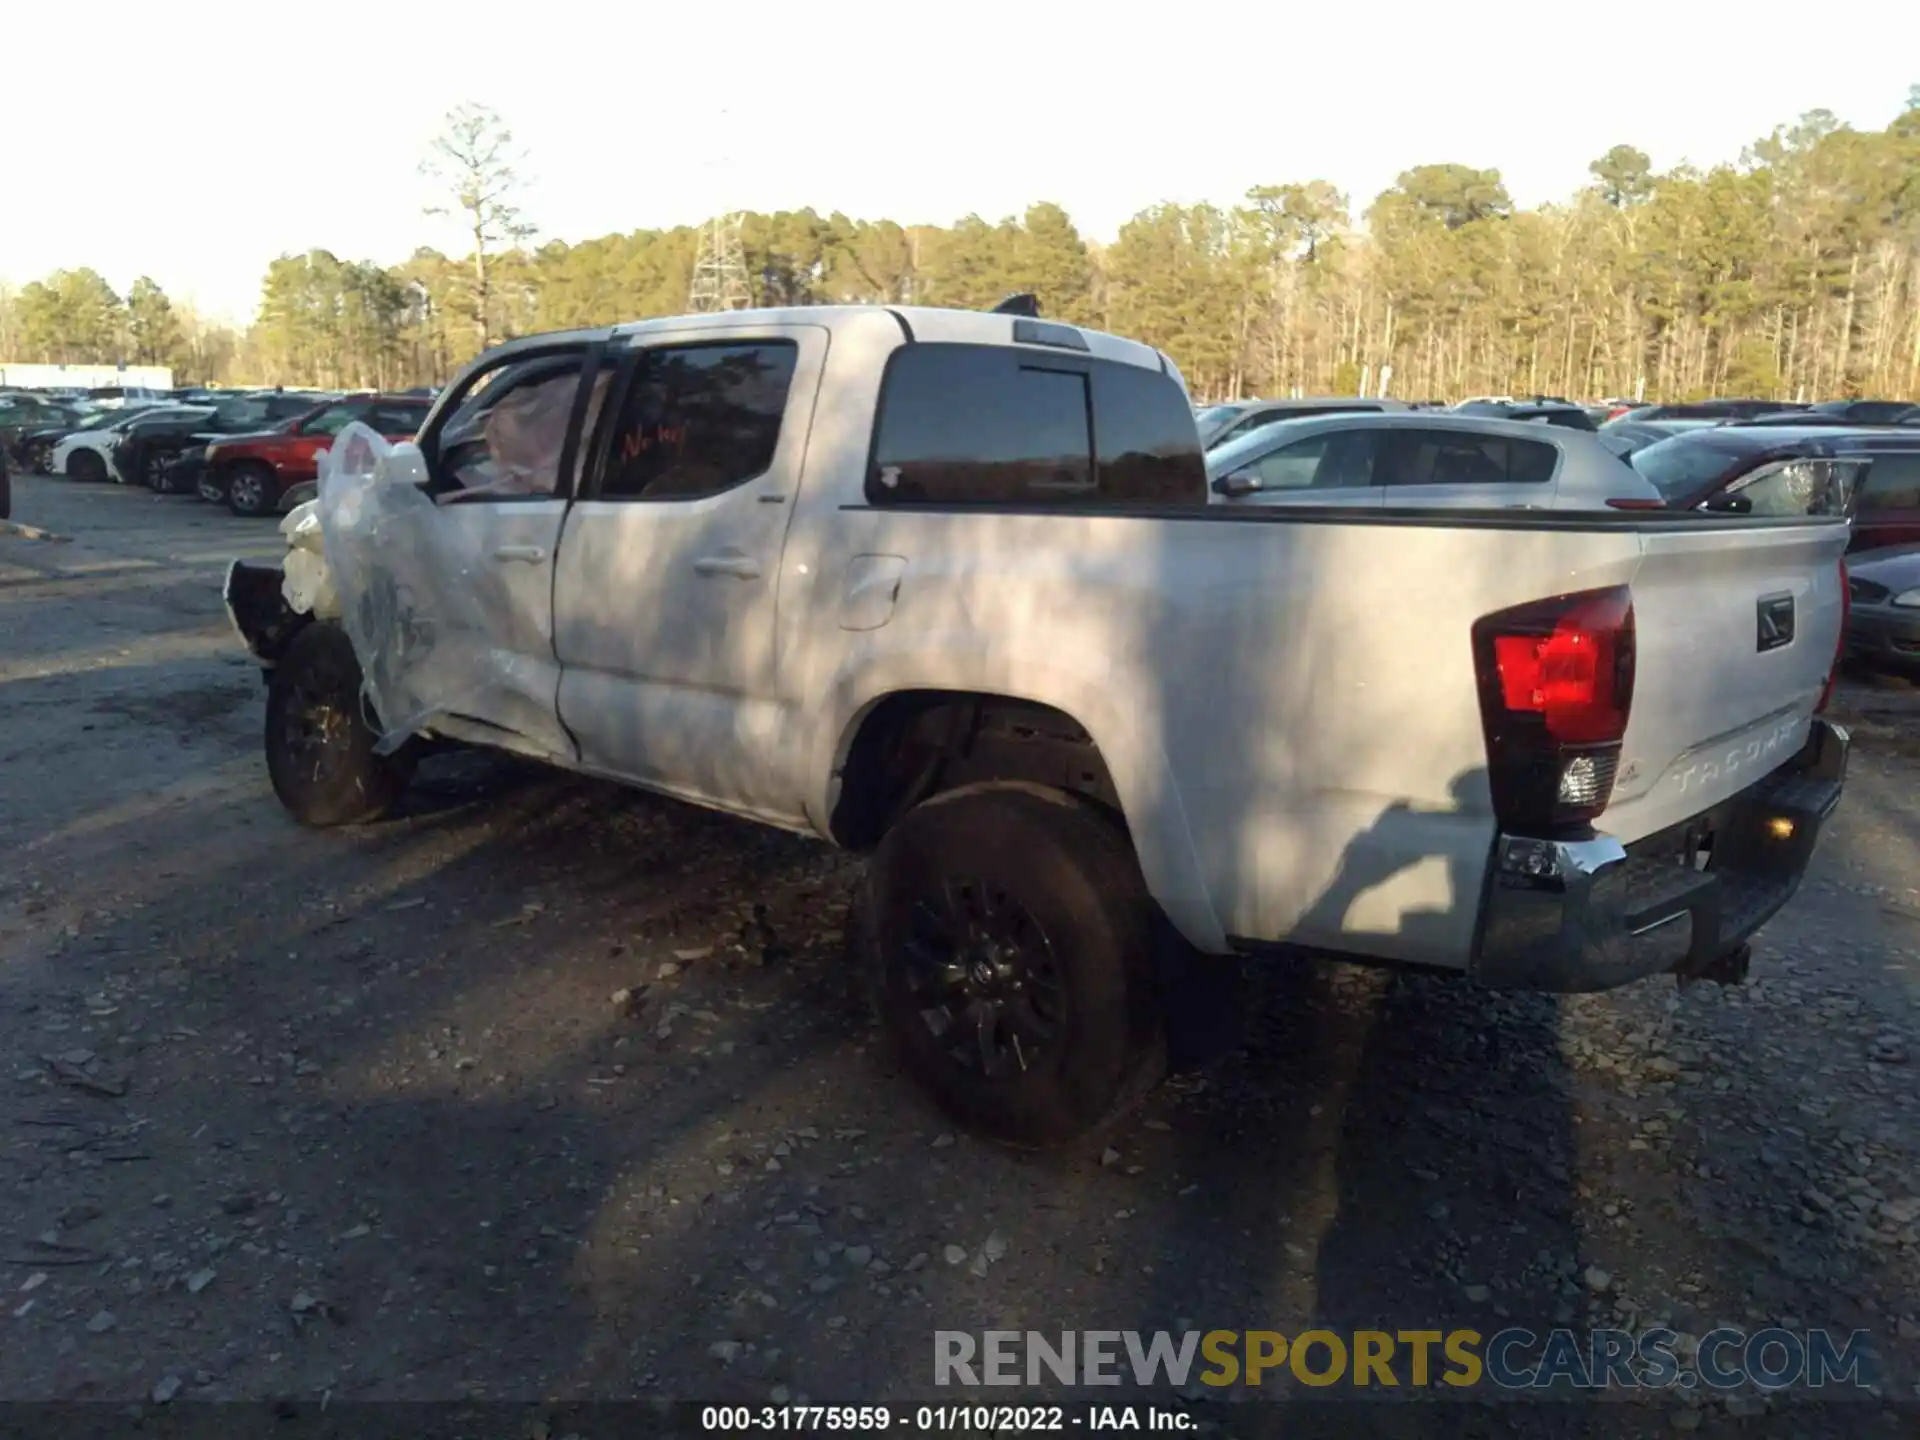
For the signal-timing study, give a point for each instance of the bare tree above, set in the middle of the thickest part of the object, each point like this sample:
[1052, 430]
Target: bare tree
[472, 164]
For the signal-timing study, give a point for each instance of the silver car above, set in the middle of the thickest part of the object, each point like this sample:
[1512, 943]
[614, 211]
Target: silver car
[1424, 460]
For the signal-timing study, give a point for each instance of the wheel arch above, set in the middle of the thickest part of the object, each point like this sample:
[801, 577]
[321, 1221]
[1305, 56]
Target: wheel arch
[904, 743]
[266, 624]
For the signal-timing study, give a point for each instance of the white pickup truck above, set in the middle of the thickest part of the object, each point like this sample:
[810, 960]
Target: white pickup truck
[946, 587]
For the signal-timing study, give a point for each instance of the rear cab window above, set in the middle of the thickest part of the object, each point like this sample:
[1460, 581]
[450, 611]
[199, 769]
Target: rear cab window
[1000, 425]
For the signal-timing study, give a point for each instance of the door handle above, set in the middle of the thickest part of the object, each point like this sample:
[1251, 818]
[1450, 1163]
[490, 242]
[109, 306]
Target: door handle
[740, 567]
[532, 554]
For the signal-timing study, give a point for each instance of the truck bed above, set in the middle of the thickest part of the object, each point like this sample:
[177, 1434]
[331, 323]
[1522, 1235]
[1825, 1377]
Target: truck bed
[1288, 698]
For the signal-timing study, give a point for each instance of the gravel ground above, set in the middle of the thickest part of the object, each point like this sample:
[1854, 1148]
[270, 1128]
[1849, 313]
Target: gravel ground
[548, 1089]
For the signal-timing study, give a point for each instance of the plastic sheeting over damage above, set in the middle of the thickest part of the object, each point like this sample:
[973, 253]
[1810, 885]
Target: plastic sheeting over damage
[307, 586]
[411, 589]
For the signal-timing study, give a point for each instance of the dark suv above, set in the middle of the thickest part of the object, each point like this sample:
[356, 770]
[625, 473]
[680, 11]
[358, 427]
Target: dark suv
[145, 455]
[1707, 410]
[1779, 470]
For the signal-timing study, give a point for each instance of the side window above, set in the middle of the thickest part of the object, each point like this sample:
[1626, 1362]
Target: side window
[1145, 441]
[1449, 457]
[1061, 431]
[698, 419]
[1292, 467]
[505, 438]
[1332, 460]
[1796, 488]
[1892, 483]
[396, 419]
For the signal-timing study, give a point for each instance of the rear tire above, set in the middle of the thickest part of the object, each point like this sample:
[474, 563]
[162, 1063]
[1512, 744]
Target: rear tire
[86, 467]
[319, 745]
[250, 491]
[1008, 943]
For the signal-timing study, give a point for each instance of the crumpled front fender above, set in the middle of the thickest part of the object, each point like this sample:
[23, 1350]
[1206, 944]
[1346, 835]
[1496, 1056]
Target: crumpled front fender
[258, 609]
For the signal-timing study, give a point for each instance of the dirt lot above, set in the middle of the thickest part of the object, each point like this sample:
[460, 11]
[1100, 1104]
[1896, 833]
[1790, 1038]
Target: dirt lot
[367, 1114]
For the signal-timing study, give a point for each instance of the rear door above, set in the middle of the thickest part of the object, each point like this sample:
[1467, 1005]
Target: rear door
[1459, 469]
[664, 598]
[1737, 628]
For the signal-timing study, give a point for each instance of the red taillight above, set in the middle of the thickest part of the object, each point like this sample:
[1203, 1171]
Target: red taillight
[1556, 686]
[1840, 647]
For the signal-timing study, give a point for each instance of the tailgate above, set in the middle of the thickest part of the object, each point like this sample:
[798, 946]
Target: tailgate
[1736, 633]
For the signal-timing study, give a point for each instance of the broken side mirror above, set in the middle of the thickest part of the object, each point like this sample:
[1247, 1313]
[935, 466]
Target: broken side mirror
[1240, 482]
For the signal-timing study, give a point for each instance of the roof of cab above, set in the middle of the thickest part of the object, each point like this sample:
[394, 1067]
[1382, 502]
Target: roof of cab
[915, 323]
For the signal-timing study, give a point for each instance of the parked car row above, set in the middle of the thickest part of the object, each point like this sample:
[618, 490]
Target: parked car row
[1857, 459]
[1626, 424]
[252, 452]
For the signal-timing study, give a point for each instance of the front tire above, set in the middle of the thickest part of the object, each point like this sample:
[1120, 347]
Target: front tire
[319, 745]
[250, 491]
[1008, 942]
[86, 467]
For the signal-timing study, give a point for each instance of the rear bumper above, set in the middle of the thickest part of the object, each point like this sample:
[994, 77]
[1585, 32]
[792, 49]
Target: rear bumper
[1571, 916]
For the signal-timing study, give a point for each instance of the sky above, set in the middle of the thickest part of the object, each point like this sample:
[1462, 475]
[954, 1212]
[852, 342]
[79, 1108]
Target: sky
[195, 150]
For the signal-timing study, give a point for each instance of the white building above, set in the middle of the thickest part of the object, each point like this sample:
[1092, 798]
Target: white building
[85, 377]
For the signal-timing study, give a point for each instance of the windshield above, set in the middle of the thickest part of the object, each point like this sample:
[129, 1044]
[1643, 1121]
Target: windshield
[1216, 418]
[1680, 466]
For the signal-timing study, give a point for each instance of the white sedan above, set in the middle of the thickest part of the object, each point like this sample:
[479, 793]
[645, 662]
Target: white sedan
[88, 454]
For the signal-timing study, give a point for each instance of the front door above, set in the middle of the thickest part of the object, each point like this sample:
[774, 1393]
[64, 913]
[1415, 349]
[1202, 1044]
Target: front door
[669, 568]
[501, 465]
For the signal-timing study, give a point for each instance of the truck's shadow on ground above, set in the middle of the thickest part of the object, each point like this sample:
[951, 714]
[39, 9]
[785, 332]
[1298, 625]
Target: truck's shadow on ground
[561, 1200]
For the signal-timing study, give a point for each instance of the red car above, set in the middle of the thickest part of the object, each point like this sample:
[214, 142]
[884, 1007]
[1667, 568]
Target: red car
[262, 474]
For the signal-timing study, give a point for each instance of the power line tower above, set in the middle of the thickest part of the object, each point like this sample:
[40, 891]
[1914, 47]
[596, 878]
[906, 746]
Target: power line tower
[720, 269]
